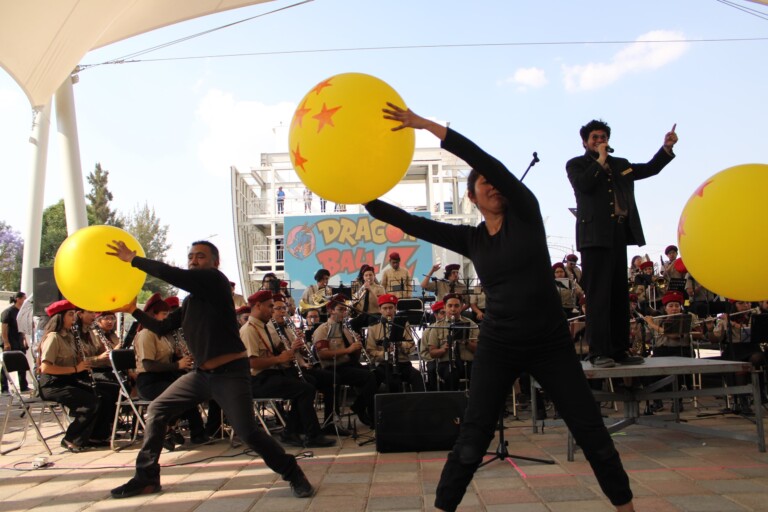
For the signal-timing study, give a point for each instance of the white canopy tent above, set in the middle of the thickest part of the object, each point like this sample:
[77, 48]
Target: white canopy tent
[41, 44]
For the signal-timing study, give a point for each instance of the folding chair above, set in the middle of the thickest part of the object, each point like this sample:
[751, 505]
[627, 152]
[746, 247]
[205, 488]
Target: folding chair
[128, 409]
[16, 361]
[260, 408]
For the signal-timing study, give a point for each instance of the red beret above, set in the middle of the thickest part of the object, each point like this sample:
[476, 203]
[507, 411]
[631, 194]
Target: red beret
[394, 256]
[572, 257]
[387, 298]
[452, 267]
[680, 266]
[260, 296]
[232, 284]
[672, 296]
[104, 313]
[365, 268]
[632, 297]
[558, 265]
[278, 297]
[671, 248]
[438, 306]
[449, 296]
[646, 264]
[59, 306]
[172, 301]
[243, 309]
[155, 304]
[336, 300]
[283, 284]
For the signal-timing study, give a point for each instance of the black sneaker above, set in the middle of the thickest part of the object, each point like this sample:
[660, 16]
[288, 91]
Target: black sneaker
[168, 443]
[602, 362]
[178, 439]
[319, 441]
[301, 487]
[134, 488]
[625, 358]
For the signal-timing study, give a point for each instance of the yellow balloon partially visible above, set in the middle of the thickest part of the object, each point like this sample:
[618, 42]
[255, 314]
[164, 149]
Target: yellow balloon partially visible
[721, 250]
[341, 146]
[91, 279]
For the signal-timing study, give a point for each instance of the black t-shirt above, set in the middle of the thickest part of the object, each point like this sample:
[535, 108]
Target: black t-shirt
[14, 336]
[522, 307]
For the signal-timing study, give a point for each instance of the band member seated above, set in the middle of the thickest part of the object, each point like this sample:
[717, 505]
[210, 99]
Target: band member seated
[270, 361]
[397, 280]
[569, 290]
[339, 350]
[672, 334]
[448, 284]
[65, 378]
[366, 294]
[430, 364]
[477, 304]
[160, 360]
[452, 342]
[243, 312]
[733, 332]
[392, 356]
[321, 287]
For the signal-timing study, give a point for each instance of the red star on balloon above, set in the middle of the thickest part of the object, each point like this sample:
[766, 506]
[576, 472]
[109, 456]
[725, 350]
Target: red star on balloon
[322, 85]
[299, 160]
[700, 191]
[681, 227]
[325, 117]
[298, 117]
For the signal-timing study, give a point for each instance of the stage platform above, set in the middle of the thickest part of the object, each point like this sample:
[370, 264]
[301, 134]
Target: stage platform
[660, 372]
[669, 470]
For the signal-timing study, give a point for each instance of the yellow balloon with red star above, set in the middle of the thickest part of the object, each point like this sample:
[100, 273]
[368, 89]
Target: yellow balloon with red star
[341, 147]
[720, 233]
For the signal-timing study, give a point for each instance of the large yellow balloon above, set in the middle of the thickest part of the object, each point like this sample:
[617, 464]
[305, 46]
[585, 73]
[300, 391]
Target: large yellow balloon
[89, 278]
[341, 147]
[720, 234]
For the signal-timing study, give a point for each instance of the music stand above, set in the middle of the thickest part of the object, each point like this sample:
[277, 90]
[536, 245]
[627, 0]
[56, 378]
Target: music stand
[502, 452]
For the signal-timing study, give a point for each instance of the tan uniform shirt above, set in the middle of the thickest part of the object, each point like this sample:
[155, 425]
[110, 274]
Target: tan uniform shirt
[329, 336]
[374, 344]
[260, 344]
[59, 349]
[373, 293]
[397, 282]
[437, 337]
[149, 345]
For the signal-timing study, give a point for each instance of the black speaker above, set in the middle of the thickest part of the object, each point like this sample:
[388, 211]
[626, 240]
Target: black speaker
[44, 289]
[418, 422]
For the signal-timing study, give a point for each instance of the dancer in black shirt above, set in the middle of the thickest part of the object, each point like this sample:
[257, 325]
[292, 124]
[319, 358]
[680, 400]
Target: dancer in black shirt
[208, 318]
[524, 329]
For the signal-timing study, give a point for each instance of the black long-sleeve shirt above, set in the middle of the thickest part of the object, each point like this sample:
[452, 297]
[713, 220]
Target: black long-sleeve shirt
[207, 314]
[523, 308]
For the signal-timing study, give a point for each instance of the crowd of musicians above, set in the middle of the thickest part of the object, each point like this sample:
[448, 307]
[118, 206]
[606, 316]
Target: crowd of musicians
[361, 340]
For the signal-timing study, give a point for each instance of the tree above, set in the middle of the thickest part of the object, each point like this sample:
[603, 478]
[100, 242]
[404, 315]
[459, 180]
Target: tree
[54, 232]
[99, 211]
[11, 251]
[145, 226]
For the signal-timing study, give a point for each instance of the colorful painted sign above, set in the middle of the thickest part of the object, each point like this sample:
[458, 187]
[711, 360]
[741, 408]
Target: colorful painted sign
[343, 243]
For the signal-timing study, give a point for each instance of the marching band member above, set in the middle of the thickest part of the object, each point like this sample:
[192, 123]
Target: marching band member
[448, 284]
[524, 328]
[271, 375]
[368, 291]
[238, 299]
[453, 342]
[396, 280]
[339, 350]
[243, 312]
[571, 269]
[322, 277]
[107, 322]
[570, 293]
[670, 268]
[438, 311]
[65, 377]
[477, 304]
[158, 365]
[289, 302]
[400, 370]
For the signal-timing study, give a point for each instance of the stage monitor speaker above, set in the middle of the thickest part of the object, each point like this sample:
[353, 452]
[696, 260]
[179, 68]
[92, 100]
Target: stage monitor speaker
[44, 289]
[418, 422]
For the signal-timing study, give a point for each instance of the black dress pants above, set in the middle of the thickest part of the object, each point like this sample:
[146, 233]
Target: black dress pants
[302, 418]
[76, 394]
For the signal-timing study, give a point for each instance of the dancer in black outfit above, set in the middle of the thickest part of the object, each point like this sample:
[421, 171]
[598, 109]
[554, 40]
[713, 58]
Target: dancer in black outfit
[524, 329]
[222, 373]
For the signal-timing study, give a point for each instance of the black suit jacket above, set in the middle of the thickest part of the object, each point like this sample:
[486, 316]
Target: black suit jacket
[594, 192]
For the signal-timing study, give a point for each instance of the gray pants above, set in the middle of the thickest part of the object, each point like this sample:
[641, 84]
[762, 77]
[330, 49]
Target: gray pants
[230, 386]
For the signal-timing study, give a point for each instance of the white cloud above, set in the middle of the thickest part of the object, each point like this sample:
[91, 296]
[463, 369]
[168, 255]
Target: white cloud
[642, 55]
[238, 131]
[527, 78]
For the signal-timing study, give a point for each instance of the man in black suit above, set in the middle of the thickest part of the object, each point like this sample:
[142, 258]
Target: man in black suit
[607, 221]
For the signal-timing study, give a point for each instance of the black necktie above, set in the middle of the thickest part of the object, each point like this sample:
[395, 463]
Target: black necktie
[365, 301]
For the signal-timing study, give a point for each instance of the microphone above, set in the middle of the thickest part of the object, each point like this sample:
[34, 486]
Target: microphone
[609, 149]
[536, 157]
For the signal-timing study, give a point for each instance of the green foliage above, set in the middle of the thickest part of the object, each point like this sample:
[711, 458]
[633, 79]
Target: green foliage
[54, 232]
[145, 226]
[99, 211]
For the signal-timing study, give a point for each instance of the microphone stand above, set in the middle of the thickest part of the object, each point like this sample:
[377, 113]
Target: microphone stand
[533, 162]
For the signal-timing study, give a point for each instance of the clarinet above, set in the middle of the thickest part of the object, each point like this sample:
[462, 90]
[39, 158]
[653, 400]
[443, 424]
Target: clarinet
[296, 356]
[81, 350]
[363, 352]
[300, 336]
[103, 338]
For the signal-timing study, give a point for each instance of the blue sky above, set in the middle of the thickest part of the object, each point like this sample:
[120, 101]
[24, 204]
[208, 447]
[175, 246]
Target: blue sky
[169, 130]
